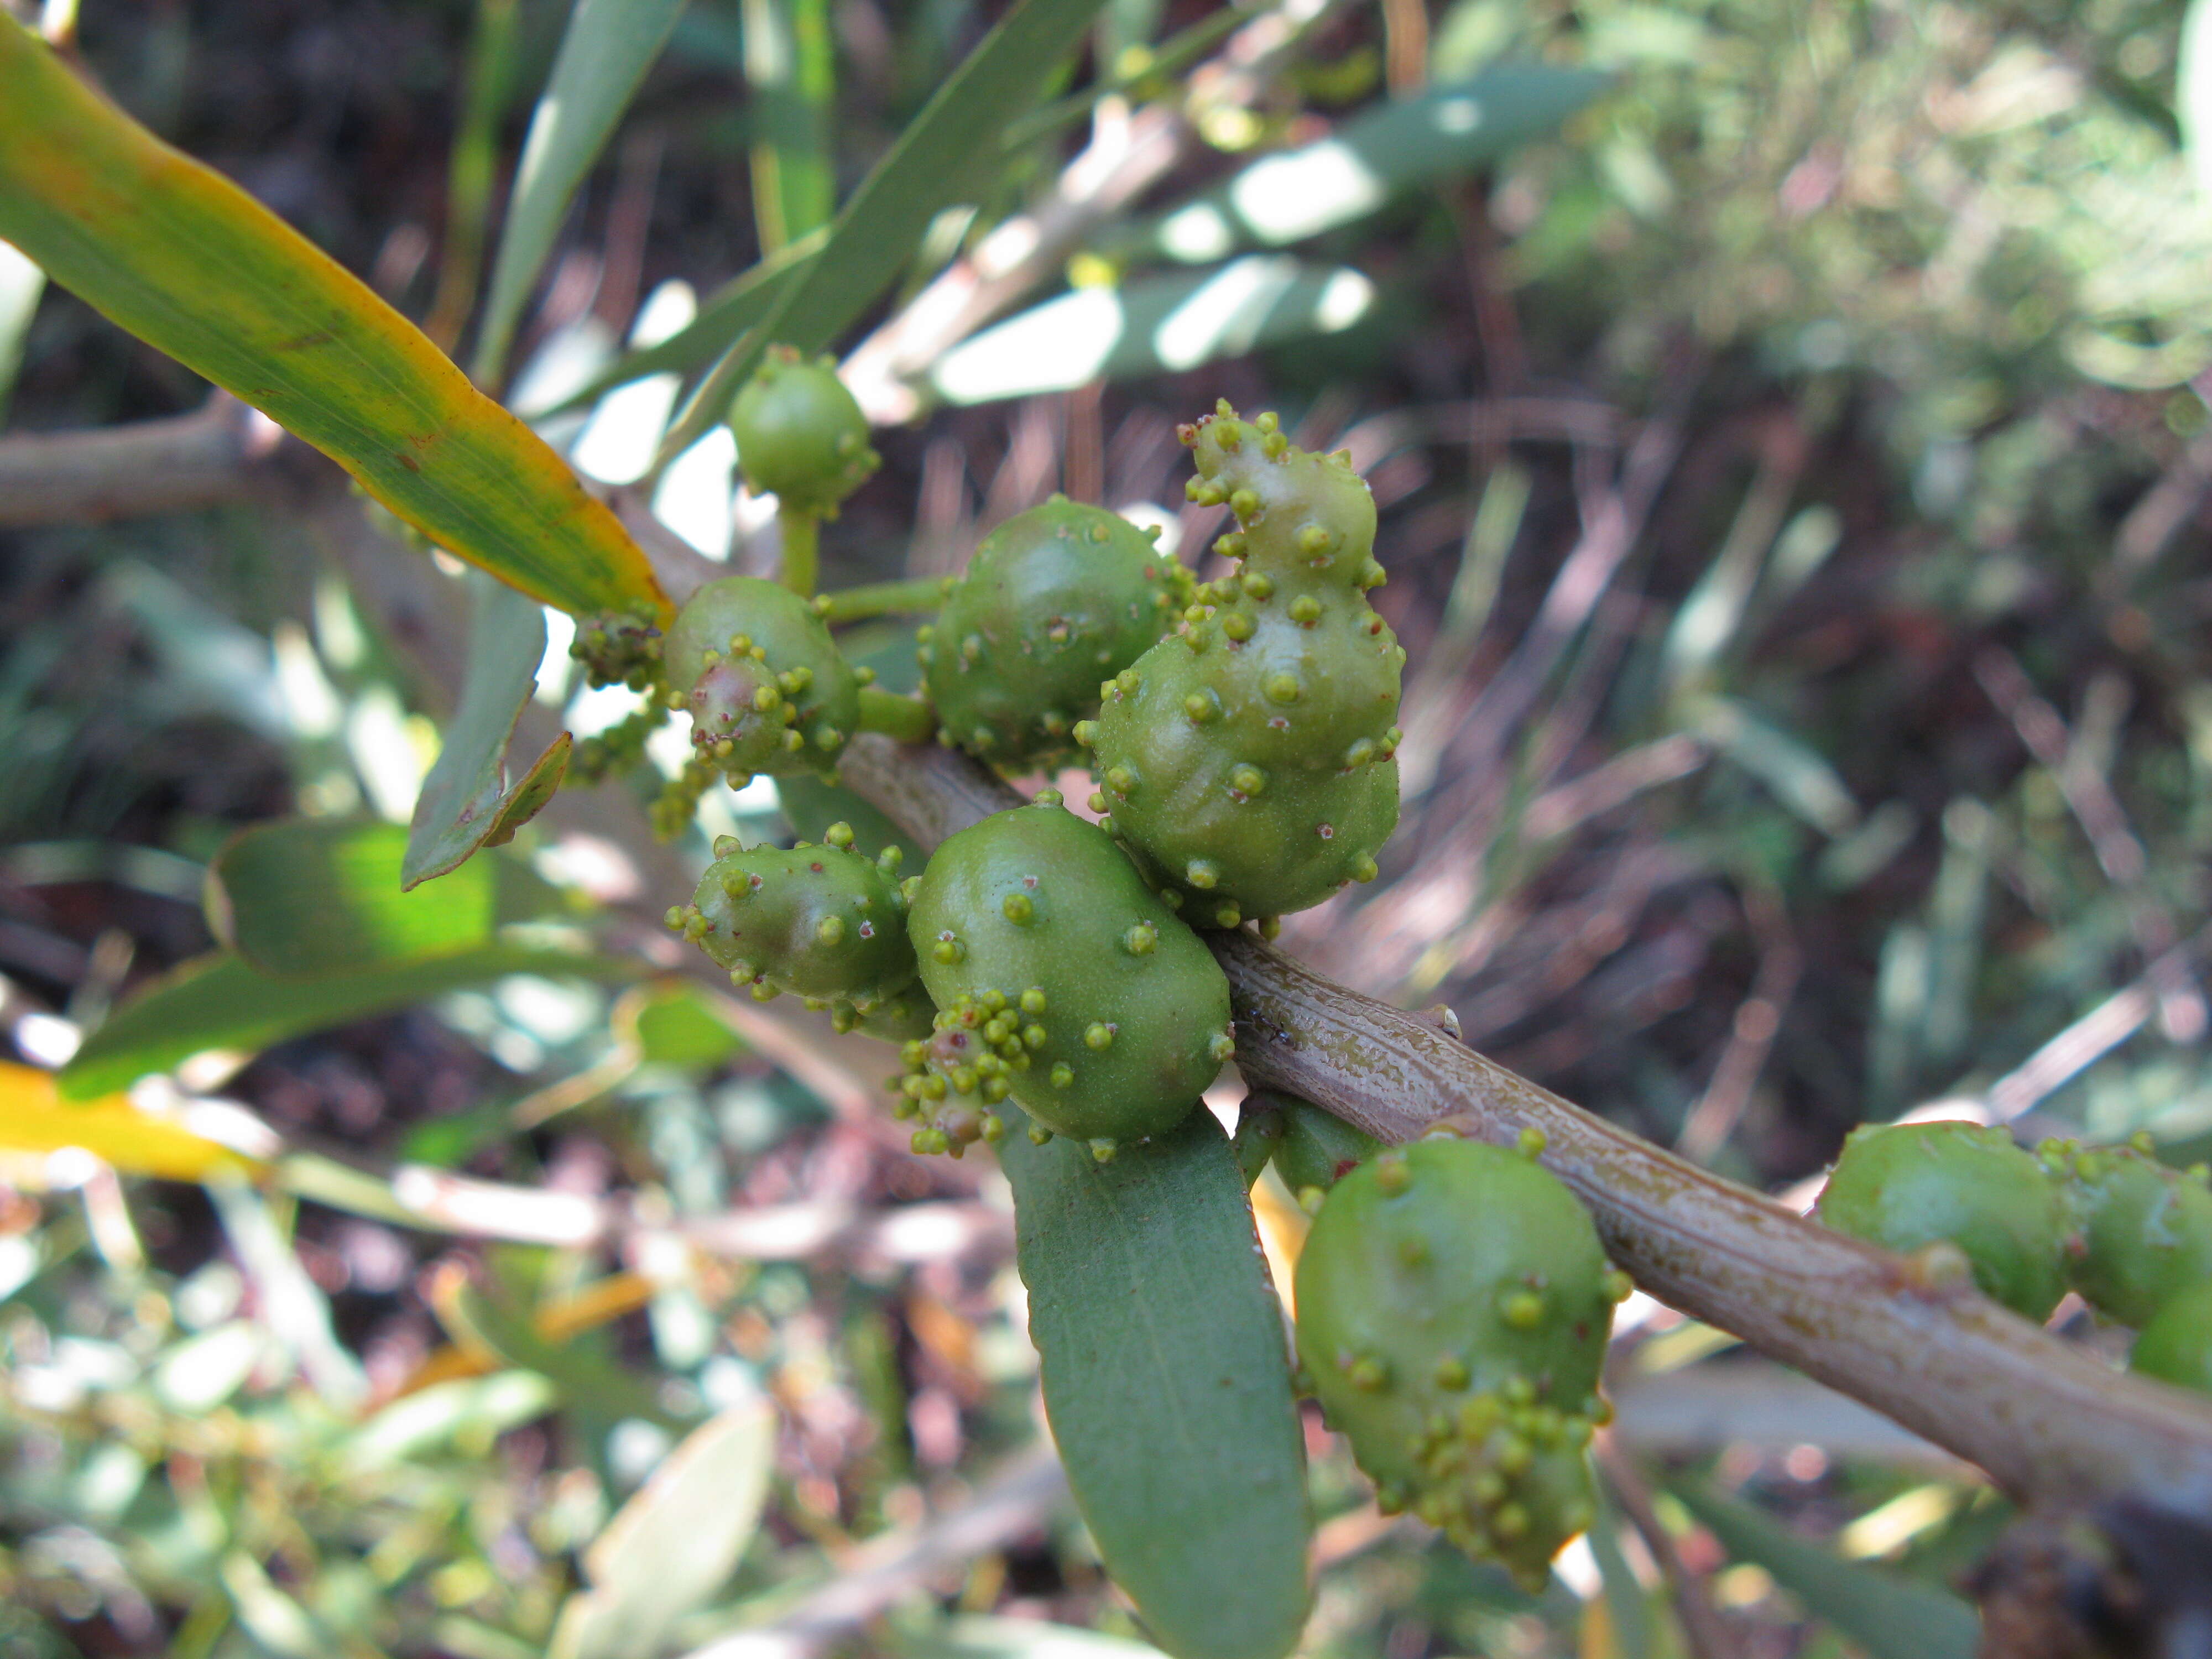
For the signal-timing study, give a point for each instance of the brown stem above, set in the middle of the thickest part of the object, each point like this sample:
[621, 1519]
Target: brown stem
[171, 466]
[2048, 1420]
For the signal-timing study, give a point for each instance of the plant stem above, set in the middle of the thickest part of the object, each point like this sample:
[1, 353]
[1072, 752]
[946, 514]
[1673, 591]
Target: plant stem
[914, 595]
[802, 546]
[903, 720]
[2048, 1419]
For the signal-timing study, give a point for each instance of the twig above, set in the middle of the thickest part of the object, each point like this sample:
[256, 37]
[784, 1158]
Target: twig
[169, 465]
[2046, 1419]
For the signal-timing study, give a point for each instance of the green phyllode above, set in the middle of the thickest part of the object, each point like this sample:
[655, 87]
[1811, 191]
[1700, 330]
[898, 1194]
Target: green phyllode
[1061, 980]
[1908, 1186]
[1248, 762]
[1453, 1308]
[825, 923]
[801, 436]
[767, 689]
[1055, 599]
[2143, 1232]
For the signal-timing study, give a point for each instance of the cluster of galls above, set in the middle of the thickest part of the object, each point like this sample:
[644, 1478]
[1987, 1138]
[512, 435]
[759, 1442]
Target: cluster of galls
[2131, 1235]
[619, 647]
[1249, 764]
[966, 1066]
[1452, 1308]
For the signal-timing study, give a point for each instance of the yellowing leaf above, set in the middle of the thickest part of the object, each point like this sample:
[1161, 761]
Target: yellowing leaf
[34, 1118]
[188, 262]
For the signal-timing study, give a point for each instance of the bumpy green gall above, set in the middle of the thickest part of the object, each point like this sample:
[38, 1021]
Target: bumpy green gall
[1108, 1017]
[2143, 1231]
[824, 923]
[1318, 1148]
[1453, 1305]
[1907, 1186]
[1249, 762]
[2176, 1346]
[1055, 600]
[767, 689]
[800, 436]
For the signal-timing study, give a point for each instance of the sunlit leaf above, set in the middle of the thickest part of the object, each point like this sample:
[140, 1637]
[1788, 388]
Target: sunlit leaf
[218, 1003]
[675, 1542]
[1404, 144]
[180, 256]
[930, 166]
[1016, 1638]
[466, 802]
[34, 1118]
[1153, 325]
[1891, 1616]
[605, 53]
[307, 896]
[1167, 1383]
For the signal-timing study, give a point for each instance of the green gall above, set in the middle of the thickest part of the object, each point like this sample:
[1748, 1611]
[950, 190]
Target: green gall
[1124, 1000]
[2142, 1231]
[1283, 672]
[742, 719]
[1907, 1186]
[1054, 600]
[801, 436]
[2175, 1345]
[1421, 1277]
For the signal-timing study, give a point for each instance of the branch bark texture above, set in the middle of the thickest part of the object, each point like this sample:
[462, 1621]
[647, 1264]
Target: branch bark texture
[2050, 1421]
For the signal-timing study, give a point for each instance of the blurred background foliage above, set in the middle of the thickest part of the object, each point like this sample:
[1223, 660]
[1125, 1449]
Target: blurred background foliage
[1794, 472]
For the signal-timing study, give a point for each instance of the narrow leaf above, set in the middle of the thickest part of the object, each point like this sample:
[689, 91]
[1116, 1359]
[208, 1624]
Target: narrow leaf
[217, 1002]
[675, 1541]
[1167, 1382]
[465, 801]
[1153, 325]
[181, 257]
[307, 897]
[723, 317]
[789, 69]
[878, 230]
[1404, 144]
[34, 1118]
[1891, 1616]
[607, 48]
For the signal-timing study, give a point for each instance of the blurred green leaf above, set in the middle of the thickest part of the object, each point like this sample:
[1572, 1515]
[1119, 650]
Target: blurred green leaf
[675, 1542]
[1167, 1382]
[1401, 144]
[1891, 1616]
[466, 802]
[1152, 325]
[929, 168]
[181, 257]
[218, 1002]
[474, 1408]
[312, 896]
[723, 317]
[789, 68]
[675, 1027]
[605, 53]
